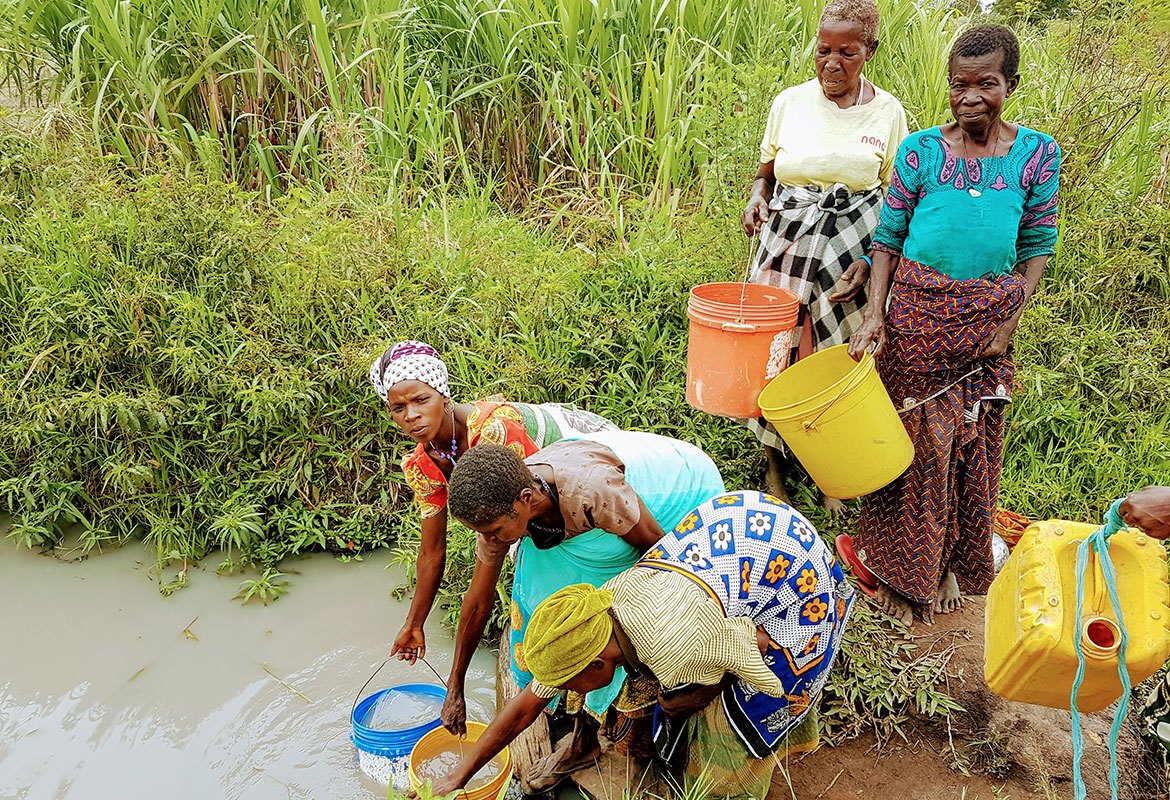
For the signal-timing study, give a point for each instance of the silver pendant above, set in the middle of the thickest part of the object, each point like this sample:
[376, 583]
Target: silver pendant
[974, 192]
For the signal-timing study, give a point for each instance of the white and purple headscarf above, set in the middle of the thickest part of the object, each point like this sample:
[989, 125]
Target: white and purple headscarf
[409, 361]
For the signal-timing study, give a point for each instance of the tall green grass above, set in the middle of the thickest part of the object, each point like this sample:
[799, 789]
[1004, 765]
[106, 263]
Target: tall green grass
[593, 95]
[595, 98]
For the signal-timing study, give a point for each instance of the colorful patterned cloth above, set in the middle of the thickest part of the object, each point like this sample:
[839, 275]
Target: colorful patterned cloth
[409, 361]
[523, 427]
[938, 515]
[810, 239]
[761, 559]
[670, 476]
[971, 217]
[550, 422]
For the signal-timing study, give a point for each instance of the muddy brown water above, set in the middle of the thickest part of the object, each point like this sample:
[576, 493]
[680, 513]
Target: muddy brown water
[108, 689]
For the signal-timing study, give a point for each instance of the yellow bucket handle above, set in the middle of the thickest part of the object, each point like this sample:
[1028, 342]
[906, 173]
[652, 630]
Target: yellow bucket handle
[808, 426]
[856, 378]
[907, 408]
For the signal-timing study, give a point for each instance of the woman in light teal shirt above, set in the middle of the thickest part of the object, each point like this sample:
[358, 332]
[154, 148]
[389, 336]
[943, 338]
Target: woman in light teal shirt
[972, 217]
[968, 224]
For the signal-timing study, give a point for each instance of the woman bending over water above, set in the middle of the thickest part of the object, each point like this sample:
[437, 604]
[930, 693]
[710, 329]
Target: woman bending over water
[413, 384]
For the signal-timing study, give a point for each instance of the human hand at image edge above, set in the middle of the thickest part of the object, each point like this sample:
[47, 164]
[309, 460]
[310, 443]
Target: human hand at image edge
[1149, 510]
[410, 644]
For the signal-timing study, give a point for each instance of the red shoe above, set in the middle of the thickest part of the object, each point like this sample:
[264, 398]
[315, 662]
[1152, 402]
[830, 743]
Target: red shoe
[866, 580]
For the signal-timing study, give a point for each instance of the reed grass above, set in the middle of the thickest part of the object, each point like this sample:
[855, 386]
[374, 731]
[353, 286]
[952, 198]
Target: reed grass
[596, 97]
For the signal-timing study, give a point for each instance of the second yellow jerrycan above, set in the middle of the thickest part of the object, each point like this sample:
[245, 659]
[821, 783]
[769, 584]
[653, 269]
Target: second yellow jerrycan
[1031, 617]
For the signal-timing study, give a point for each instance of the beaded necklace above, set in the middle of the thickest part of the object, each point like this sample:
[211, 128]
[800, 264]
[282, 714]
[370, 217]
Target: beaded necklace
[449, 456]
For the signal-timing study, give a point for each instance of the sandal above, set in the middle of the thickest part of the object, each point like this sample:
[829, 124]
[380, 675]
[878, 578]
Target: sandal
[866, 580]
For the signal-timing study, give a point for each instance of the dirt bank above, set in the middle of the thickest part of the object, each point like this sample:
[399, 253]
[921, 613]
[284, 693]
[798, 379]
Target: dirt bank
[993, 750]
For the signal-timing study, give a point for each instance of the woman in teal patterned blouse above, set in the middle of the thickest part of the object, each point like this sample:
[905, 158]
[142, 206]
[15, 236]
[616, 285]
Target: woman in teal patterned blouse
[966, 230]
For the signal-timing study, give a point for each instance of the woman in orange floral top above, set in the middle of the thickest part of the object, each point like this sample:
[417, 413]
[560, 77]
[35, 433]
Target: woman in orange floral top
[412, 382]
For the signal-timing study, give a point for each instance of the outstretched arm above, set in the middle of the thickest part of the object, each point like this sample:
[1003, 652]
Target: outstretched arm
[410, 644]
[520, 712]
[473, 618]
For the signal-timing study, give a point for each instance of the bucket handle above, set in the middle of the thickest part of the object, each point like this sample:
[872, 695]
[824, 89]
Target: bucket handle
[854, 382]
[747, 273]
[379, 669]
[364, 685]
[738, 327]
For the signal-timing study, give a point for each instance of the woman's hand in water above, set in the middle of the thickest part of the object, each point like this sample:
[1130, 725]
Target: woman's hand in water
[445, 786]
[410, 644]
[454, 713]
[440, 788]
[1149, 509]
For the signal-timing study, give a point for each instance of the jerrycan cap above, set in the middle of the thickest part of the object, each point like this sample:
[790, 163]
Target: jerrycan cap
[1100, 637]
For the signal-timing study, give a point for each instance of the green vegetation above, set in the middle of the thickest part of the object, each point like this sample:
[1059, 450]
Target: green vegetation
[524, 98]
[430, 93]
[225, 211]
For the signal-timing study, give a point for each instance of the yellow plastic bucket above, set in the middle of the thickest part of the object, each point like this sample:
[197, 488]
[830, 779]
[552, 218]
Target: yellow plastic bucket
[836, 417]
[440, 740]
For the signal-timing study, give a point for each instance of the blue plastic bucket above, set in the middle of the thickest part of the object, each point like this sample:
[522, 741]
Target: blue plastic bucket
[392, 744]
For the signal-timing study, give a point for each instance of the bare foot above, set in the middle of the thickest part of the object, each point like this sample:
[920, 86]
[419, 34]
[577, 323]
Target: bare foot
[575, 751]
[894, 605]
[949, 597]
[774, 477]
[835, 507]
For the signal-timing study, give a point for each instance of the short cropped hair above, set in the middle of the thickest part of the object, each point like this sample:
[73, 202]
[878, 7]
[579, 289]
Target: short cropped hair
[486, 482]
[980, 40]
[863, 13]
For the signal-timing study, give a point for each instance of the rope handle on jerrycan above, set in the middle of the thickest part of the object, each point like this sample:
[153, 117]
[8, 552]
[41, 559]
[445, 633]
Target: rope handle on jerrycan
[1098, 541]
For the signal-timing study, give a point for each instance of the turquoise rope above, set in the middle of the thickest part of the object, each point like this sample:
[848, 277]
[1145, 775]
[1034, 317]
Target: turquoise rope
[1099, 541]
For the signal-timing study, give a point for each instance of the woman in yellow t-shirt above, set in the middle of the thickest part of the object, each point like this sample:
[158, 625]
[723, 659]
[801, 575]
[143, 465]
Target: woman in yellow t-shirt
[825, 160]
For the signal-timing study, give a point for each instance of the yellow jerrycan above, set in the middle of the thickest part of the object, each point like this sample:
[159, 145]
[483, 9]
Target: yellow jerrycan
[1031, 622]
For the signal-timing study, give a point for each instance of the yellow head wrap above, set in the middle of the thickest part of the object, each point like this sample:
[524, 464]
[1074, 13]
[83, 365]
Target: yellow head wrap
[566, 632]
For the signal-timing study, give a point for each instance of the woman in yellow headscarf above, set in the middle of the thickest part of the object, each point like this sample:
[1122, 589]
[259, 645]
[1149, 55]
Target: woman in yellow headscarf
[740, 662]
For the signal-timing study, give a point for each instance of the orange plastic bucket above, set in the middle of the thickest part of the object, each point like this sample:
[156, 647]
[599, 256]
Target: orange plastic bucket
[439, 740]
[740, 336]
